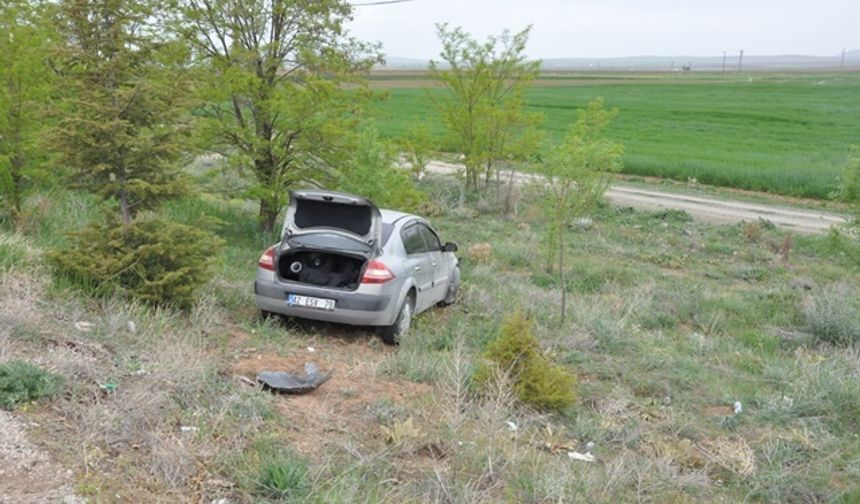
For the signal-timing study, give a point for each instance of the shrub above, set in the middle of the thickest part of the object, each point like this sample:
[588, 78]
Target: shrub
[23, 382]
[155, 260]
[537, 381]
[849, 188]
[845, 240]
[833, 315]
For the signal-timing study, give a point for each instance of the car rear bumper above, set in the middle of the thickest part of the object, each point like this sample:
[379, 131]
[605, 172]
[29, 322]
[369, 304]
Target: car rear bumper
[353, 308]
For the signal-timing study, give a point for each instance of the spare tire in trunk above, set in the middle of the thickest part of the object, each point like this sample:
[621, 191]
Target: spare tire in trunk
[324, 269]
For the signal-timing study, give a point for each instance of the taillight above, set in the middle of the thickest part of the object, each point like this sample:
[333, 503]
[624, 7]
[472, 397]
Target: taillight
[267, 260]
[377, 273]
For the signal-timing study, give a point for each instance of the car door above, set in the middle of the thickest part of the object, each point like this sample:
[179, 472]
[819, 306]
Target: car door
[440, 266]
[418, 264]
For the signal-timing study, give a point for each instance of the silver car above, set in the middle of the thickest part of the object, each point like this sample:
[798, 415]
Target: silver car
[341, 259]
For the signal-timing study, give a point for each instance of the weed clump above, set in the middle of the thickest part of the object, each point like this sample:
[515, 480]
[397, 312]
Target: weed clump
[22, 382]
[155, 260]
[282, 475]
[537, 381]
[833, 315]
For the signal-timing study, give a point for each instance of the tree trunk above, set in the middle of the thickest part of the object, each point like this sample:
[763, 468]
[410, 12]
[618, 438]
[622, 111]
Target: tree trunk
[16, 197]
[549, 245]
[268, 215]
[123, 207]
[124, 210]
[264, 168]
[471, 178]
[561, 272]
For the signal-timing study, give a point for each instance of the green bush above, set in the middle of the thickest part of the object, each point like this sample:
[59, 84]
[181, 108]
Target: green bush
[155, 260]
[849, 188]
[833, 315]
[845, 240]
[22, 382]
[537, 381]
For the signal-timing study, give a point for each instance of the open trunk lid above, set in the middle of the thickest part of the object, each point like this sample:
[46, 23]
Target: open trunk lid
[325, 220]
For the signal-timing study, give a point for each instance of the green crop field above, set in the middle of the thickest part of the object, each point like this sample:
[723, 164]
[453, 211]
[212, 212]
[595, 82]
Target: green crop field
[787, 134]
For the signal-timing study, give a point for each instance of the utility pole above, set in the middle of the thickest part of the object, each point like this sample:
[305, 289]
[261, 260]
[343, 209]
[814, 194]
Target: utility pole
[741, 61]
[842, 61]
[724, 62]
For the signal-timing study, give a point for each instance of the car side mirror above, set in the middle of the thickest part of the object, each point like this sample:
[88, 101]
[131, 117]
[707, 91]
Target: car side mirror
[449, 247]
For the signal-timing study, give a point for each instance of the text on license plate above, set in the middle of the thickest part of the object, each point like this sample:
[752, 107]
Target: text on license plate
[310, 302]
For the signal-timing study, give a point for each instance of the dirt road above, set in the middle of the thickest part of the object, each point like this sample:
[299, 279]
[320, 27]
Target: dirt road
[702, 208]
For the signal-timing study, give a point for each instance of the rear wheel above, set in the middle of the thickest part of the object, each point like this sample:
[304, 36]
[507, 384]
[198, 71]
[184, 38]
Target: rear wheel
[394, 334]
[453, 288]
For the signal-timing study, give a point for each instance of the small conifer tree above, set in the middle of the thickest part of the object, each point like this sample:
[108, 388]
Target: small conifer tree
[517, 352]
[123, 110]
[121, 137]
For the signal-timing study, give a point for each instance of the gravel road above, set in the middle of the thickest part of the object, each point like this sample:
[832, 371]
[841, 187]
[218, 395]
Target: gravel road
[702, 208]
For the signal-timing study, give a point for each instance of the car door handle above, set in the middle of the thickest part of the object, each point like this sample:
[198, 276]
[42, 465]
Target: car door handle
[417, 268]
[434, 264]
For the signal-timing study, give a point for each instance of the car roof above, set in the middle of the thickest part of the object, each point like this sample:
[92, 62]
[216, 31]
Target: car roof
[389, 221]
[392, 216]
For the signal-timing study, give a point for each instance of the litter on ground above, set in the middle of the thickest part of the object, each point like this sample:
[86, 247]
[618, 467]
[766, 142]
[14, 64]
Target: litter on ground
[584, 457]
[281, 381]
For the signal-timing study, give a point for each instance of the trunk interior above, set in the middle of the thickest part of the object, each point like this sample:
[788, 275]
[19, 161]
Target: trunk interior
[325, 269]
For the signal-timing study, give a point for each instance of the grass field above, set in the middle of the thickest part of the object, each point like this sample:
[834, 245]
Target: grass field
[781, 133]
[672, 321]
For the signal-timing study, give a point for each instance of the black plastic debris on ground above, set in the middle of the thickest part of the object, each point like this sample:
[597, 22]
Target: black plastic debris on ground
[288, 383]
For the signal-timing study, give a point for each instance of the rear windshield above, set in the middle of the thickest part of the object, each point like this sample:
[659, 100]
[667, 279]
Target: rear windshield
[353, 218]
[387, 229]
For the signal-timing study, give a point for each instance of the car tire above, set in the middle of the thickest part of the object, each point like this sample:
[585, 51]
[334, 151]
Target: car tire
[453, 289]
[393, 334]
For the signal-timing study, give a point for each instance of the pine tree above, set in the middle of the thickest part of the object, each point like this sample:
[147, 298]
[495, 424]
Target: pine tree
[123, 130]
[124, 115]
[25, 88]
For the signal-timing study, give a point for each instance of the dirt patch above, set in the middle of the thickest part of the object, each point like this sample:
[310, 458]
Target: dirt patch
[720, 410]
[27, 473]
[341, 407]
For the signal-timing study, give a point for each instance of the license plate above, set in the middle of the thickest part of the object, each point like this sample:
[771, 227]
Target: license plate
[310, 302]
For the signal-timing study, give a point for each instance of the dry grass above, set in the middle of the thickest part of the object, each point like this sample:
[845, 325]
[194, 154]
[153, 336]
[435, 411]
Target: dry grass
[671, 322]
[133, 374]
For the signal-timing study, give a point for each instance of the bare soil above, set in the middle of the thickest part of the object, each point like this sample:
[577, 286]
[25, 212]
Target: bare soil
[27, 473]
[341, 407]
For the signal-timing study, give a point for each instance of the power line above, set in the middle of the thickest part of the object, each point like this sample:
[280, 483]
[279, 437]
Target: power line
[381, 2]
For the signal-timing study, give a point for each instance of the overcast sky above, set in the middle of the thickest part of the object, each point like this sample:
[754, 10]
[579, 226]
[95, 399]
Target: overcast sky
[606, 28]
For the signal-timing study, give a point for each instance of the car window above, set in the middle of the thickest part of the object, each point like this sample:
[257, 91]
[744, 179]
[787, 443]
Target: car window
[430, 238]
[412, 240]
[387, 229]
